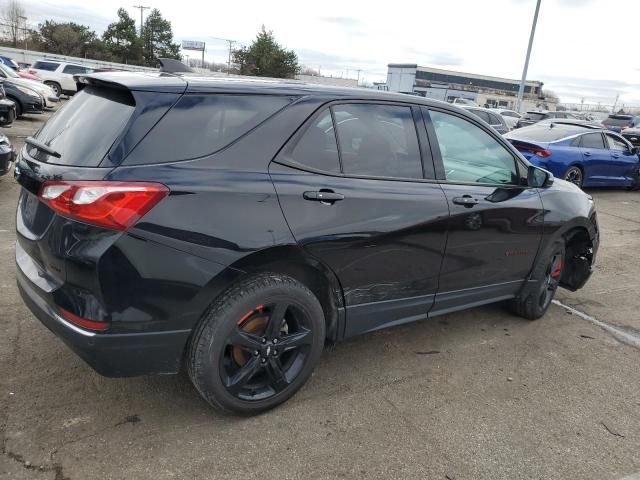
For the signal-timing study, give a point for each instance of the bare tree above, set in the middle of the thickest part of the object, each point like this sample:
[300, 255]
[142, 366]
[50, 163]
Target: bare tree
[12, 16]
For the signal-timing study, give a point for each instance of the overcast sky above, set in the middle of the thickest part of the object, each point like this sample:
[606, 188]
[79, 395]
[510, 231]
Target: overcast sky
[583, 48]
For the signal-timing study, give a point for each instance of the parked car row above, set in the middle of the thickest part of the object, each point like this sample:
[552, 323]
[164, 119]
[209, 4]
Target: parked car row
[582, 151]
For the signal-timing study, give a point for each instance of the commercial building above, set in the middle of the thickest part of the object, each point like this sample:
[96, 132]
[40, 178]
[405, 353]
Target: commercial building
[447, 85]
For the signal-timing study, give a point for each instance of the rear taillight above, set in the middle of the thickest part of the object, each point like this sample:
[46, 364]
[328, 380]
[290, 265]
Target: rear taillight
[82, 322]
[540, 152]
[114, 205]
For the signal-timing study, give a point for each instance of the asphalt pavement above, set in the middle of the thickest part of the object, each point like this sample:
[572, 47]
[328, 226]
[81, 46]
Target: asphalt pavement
[479, 394]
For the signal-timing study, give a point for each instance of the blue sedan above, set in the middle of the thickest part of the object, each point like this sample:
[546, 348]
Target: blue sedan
[584, 154]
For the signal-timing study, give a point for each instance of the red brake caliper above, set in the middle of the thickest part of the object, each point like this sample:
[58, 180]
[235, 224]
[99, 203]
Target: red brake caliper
[557, 269]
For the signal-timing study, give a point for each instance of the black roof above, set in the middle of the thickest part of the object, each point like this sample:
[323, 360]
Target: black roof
[171, 83]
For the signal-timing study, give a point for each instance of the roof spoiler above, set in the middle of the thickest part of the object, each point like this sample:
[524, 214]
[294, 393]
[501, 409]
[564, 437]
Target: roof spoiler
[171, 65]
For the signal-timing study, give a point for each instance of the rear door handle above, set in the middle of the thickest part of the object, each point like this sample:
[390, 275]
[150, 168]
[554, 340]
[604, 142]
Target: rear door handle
[327, 196]
[466, 200]
[586, 154]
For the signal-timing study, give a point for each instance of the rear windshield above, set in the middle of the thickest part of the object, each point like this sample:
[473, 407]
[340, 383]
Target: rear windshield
[533, 116]
[204, 123]
[542, 133]
[617, 121]
[83, 131]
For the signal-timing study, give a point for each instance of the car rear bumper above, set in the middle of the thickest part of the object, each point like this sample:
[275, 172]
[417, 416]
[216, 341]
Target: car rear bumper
[111, 355]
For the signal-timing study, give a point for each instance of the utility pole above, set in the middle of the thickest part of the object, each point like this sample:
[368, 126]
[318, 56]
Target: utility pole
[21, 17]
[230, 42]
[358, 81]
[613, 109]
[142, 8]
[526, 61]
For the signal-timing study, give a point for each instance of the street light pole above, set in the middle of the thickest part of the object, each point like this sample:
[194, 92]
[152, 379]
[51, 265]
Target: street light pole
[526, 62]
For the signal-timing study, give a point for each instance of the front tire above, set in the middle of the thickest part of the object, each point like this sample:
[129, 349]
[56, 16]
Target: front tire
[257, 344]
[534, 302]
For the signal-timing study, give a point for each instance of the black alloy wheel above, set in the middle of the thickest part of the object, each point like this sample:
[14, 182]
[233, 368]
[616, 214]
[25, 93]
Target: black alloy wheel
[535, 299]
[257, 344]
[266, 351]
[574, 175]
[551, 281]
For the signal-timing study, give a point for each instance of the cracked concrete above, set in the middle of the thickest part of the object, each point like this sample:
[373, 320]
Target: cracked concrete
[475, 395]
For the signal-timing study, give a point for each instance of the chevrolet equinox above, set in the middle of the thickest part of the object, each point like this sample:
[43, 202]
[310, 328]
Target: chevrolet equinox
[238, 226]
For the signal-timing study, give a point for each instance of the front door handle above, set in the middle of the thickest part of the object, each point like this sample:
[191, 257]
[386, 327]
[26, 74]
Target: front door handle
[586, 154]
[326, 196]
[615, 155]
[466, 200]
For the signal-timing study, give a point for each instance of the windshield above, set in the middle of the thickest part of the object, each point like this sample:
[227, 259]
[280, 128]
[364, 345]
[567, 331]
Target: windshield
[8, 71]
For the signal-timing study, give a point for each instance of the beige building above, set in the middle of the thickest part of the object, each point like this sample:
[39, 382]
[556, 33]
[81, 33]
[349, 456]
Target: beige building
[447, 85]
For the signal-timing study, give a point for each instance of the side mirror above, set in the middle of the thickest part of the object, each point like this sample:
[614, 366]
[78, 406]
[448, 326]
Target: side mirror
[635, 150]
[539, 177]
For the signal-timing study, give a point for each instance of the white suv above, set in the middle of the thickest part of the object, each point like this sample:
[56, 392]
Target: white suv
[59, 75]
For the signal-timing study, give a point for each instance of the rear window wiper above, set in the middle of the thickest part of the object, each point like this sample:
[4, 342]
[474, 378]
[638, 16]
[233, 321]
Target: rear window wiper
[42, 147]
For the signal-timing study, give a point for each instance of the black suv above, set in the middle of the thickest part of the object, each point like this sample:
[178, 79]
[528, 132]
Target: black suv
[238, 226]
[619, 122]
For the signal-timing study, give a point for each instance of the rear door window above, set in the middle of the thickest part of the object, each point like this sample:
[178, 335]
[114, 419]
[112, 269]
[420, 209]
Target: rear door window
[592, 140]
[495, 120]
[202, 124]
[75, 69]
[482, 114]
[317, 147]
[378, 140]
[84, 130]
[49, 66]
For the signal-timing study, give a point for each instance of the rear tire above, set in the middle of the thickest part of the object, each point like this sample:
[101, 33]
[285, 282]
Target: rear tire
[534, 302]
[574, 175]
[55, 86]
[257, 344]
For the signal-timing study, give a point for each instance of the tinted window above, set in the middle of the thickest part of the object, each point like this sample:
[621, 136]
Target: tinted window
[84, 130]
[317, 147]
[470, 154]
[592, 140]
[616, 143]
[50, 66]
[74, 69]
[378, 140]
[482, 115]
[495, 120]
[534, 116]
[200, 125]
[510, 114]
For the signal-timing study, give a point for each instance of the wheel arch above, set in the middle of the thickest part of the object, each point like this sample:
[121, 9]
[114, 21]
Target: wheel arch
[579, 257]
[294, 261]
[17, 101]
[289, 260]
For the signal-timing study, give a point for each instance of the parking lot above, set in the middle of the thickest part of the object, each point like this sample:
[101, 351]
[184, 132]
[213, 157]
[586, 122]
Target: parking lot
[478, 394]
